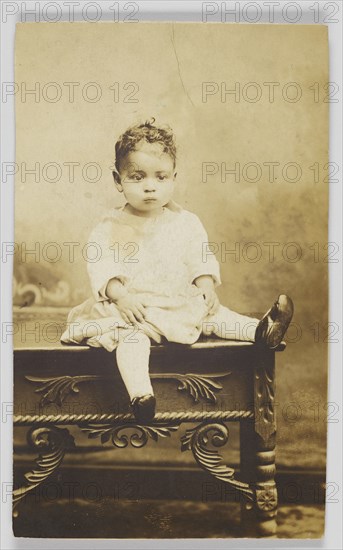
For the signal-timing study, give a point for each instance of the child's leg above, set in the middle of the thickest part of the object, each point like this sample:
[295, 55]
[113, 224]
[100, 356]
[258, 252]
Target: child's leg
[267, 331]
[133, 353]
[230, 325]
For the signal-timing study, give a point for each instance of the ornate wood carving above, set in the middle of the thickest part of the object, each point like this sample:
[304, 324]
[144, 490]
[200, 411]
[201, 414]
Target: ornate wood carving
[52, 443]
[265, 487]
[139, 438]
[264, 390]
[266, 499]
[121, 418]
[55, 390]
[197, 440]
[197, 385]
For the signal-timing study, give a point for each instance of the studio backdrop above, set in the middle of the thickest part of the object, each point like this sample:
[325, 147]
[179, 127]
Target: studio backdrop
[249, 108]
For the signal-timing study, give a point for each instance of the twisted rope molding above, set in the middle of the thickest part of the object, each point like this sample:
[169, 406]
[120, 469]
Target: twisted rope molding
[24, 420]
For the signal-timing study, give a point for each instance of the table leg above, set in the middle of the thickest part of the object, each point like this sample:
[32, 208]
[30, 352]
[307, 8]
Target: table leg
[257, 444]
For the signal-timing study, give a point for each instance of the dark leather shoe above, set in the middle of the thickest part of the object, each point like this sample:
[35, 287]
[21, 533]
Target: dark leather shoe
[144, 408]
[274, 324]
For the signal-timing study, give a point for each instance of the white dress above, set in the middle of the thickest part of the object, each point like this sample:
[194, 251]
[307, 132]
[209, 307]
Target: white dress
[158, 259]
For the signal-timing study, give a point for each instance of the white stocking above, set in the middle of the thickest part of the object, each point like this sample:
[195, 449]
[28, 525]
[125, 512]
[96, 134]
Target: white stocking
[230, 325]
[133, 353]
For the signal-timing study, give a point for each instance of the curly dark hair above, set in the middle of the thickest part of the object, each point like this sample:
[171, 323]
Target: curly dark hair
[145, 132]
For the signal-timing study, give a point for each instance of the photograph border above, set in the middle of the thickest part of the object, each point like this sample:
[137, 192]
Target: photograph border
[175, 10]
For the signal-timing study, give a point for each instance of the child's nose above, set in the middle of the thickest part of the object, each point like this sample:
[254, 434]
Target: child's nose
[149, 185]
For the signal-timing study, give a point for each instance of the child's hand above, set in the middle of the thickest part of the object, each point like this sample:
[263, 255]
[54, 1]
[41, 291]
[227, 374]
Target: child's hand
[131, 309]
[211, 300]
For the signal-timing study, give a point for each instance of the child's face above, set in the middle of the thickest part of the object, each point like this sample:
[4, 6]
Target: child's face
[147, 178]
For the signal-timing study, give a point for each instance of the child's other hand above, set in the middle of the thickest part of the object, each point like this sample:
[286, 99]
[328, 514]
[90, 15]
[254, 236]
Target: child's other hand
[131, 309]
[211, 300]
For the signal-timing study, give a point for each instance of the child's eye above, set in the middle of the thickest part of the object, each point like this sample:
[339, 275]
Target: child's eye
[161, 178]
[136, 177]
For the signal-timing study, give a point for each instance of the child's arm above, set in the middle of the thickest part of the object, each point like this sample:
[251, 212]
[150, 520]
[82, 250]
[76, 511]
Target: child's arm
[130, 306]
[115, 290]
[206, 284]
[199, 256]
[107, 262]
[202, 263]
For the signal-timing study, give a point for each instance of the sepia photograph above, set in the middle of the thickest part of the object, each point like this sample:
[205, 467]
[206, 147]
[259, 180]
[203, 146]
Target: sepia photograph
[170, 280]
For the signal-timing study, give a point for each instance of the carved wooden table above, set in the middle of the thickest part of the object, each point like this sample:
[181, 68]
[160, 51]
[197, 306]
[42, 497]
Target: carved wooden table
[211, 383]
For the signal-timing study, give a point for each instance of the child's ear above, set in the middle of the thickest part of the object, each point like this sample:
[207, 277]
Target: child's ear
[117, 181]
[174, 176]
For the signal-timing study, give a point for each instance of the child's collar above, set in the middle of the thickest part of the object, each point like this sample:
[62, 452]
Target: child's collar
[173, 206]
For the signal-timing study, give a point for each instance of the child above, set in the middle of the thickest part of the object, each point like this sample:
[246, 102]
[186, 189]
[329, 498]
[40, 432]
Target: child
[152, 278]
